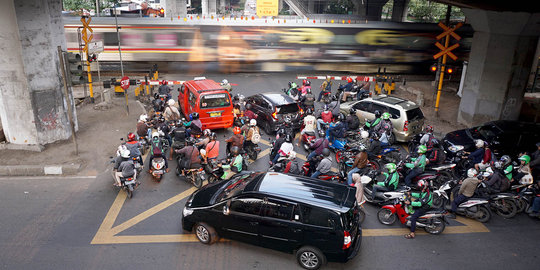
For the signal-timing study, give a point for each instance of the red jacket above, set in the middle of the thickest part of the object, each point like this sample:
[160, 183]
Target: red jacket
[487, 156]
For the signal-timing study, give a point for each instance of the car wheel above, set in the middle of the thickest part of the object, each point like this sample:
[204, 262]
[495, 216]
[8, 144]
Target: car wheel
[310, 257]
[205, 233]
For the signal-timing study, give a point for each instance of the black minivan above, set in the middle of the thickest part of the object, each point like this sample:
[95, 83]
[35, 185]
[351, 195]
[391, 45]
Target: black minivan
[272, 109]
[317, 220]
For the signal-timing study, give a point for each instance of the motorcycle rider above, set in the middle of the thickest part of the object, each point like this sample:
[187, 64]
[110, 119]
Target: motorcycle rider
[236, 139]
[359, 165]
[202, 143]
[536, 201]
[353, 123]
[420, 206]
[326, 118]
[326, 87]
[171, 113]
[189, 156]
[280, 139]
[390, 183]
[143, 130]
[334, 105]
[385, 127]
[284, 150]
[196, 124]
[305, 86]
[324, 165]
[466, 191]
[535, 162]
[364, 90]
[293, 91]
[523, 175]
[226, 85]
[235, 166]
[373, 124]
[157, 103]
[427, 137]
[156, 150]
[359, 195]
[318, 146]
[133, 146]
[307, 101]
[164, 89]
[163, 127]
[123, 167]
[506, 167]
[292, 165]
[347, 88]
[337, 131]
[212, 148]
[374, 147]
[417, 165]
[436, 155]
[309, 124]
[486, 159]
[249, 113]
[253, 134]
[478, 154]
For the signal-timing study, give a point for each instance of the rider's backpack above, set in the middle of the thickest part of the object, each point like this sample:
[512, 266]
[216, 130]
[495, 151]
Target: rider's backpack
[256, 136]
[156, 149]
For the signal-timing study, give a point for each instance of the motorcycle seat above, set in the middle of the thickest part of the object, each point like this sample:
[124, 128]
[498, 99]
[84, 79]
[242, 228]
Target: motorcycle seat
[436, 211]
[401, 188]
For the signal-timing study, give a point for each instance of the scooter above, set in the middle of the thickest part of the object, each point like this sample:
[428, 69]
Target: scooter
[310, 166]
[157, 168]
[433, 222]
[213, 170]
[502, 203]
[128, 184]
[252, 150]
[307, 139]
[435, 177]
[195, 176]
[476, 208]
[384, 197]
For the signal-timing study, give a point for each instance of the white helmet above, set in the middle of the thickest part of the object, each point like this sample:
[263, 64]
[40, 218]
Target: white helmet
[479, 143]
[489, 170]
[252, 122]
[225, 81]
[171, 102]
[203, 152]
[143, 117]
[125, 153]
[364, 134]
[207, 132]
[292, 155]
[155, 134]
[471, 173]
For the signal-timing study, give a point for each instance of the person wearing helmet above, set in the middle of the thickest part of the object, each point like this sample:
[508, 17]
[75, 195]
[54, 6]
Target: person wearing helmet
[237, 139]
[374, 146]
[226, 85]
[212, 148]
[195, 127]
[390, 183]
[253, 134]
[338, 129]
[142, 128]
[188, 156]
[307, 100]
[284, 150]
[417, 165]
[326, 87]
[305, 86]
[496, 182]
[156, 150]
[373, 125]
[158, 104]
[292, 165]
[334, 105]
[325, 118]
[164, 89]
[364, 91]
[478, 154]
[346, 89]
[427, 137]
[359, 165]
[293, 91]
[317, 147]
[249, 113]
[523, 175]
[421, 205]
[310, 125]
[466, 191]
[324, 165]
[133, 145]
[487, 158]
[123, 167]
[385, 126]
[235, 166]
[171, 112]
[206, 139]
[353, 123]
[436, 156]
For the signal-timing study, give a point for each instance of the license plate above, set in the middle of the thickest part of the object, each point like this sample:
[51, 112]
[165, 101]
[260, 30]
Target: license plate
[129, 182]
[157, 172]
[215, 114]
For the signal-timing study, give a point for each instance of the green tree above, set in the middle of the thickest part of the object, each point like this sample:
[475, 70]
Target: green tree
[428, 11]
[339, 7]
[76, 5]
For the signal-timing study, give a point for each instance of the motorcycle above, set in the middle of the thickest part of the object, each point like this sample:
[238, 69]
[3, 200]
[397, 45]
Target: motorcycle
[144, 144]
[310, 166]
[433, 222]
[280, 165]
[385, 197]
[476, 208]
[195, 176]
[435, 177]
[502, 203]
[157, 168]
[524, 197]
[307, 139]
[213, 170]
[252, 150]
[128, 184]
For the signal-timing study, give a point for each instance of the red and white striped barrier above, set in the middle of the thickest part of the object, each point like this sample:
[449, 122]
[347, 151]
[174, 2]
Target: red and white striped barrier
[343, 78]
[158, 82]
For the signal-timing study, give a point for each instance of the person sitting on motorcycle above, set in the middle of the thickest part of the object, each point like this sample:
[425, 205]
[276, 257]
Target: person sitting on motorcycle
[420, 206]
[326, 87]
[292, 165]
[436, 155]
[326, 118]
[390, 183]
[353, 123]
[249, 113]
[486, 159]
[226, 85]
[164, 89]
[338, 130]
[359, 195]
[133, 146]
[535, 162]
[189, 156]
[237, 113]
[163, 127]
[466, 191]
[123, 167]
[385, 126]
[236, 139]
[202, 143]
[252, 133]
[347, 89]
[196, 124]
[305, 86]
[417, 166]
[318, 146]
[293, 91]
[156, 150]
[280, 139]
[359, 165]
[307, 101]
[324, 165]
[374, 124]
[334, 105]
[284, 150]
[309, 125]
[506, 167]
[523, 175]
[212, 148]
[235, 165]
[364, 91]
[536, 201]
[157, 103]
[143, 130]
[478, 154]
[428, 136]
[171, 113]
[375, 146]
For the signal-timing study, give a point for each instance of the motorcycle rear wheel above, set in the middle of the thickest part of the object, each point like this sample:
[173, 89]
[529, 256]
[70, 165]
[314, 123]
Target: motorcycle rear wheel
[129, 191]
[438, 201]
[506, 208]
[253, 154]
[386, 216]
[198, 181]
[435, 226]
[522, 205]
[483, 214]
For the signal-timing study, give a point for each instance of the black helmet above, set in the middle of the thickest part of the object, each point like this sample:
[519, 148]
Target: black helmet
[156, 95]
[352, 110]
[309, 111]
[341, 117]
[195, 115]
[377, 114]
[248, 106]
[213, 136]
[308, 83]
[288, 138]
[334, 98]
[235, 150]
[326, 152]
[190, 141]
[308, 90]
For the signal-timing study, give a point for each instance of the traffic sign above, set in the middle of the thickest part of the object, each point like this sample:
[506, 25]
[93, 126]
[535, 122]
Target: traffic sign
[449, 31]
[124, 83]
[446, 51]
[95, 47]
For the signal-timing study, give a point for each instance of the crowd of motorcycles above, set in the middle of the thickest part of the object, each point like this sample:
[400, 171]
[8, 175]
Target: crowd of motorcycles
[444, 177]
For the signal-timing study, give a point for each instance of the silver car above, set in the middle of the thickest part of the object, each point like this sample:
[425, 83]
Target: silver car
[407, 118]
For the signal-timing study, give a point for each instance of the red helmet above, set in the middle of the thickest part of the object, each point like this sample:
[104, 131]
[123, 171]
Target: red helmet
[349, 80]
[131, 137]
[422, 184]
[237, 130]
[429, 128]
[164, 82]
[304, 82]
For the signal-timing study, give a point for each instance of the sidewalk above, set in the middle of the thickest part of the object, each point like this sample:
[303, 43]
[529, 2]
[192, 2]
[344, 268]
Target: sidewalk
[98, 137]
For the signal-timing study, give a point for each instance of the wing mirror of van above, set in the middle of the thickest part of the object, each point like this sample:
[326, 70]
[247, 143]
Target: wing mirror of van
[226, 210]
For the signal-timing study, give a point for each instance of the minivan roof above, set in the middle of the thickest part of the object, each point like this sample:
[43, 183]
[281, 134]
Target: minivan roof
[277, 98]
[333, 196]
[204, 85]
[405, 104]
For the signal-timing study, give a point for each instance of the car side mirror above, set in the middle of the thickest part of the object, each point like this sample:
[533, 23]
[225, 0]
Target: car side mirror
[226, 210]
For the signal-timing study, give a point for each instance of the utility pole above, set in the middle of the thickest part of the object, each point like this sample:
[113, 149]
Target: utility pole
[69, 100]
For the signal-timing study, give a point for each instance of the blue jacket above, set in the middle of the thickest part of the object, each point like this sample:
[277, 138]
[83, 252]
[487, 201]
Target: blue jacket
[477, 155]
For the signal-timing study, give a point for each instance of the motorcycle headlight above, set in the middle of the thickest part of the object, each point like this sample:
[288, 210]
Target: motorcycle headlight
[455, 148]
[187, 211]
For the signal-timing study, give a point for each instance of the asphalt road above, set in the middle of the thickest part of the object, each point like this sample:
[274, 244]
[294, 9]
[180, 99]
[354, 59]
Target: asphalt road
[85, 223]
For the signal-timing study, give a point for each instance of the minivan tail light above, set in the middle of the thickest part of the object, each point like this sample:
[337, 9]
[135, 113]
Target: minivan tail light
[406, 126]
[347, 240]
[274, 114]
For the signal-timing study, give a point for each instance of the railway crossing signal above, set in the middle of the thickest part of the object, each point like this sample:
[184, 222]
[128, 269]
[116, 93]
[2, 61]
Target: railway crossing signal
[445, 51]
[87, 38]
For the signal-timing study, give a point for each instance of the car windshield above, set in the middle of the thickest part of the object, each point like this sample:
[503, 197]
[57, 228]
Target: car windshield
[215, 101]
[487, 132]
[287, 108]
[235, 186]
[414, 114]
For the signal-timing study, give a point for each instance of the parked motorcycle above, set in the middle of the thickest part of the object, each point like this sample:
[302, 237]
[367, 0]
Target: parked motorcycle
[476, 208]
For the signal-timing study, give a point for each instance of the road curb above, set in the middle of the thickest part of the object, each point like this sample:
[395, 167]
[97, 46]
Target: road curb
[39, 170]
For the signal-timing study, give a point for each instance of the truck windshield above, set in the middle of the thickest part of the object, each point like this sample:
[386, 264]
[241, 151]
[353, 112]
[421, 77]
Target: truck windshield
[215, 101]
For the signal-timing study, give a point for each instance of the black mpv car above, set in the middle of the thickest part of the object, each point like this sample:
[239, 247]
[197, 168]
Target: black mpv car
[271, 110]
[317, 220]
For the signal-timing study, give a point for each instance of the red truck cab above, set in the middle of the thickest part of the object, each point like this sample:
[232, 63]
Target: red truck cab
[209, 99]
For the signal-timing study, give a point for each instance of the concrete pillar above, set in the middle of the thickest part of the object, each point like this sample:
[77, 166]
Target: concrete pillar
[503, 46]
[222, 6]
[374, 9]
[399, 10]
[212, 7]
[280, 5]
[311, 6]
[32, 105]
[175, 8]
[204, 7]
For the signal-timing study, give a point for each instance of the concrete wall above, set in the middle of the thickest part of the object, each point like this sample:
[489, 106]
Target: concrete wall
[175, 8]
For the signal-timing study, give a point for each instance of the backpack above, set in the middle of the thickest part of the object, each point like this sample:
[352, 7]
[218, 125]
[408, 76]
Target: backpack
[156, 149]
[256, 136]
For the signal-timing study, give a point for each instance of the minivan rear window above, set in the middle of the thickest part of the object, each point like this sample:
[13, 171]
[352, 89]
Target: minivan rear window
[414, 114]
[318, 217]
[215, 101]
[287, 108]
